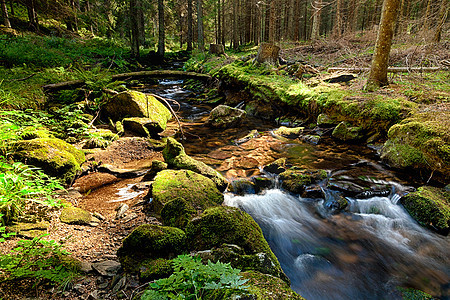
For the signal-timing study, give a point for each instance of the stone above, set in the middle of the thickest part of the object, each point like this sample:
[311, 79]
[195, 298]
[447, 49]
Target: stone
[120, 210]
[54, 156]
[252, 134]
[224, 116]
[295, 181]
[312, 139]
[243, 186]
[152, 269]
[177, 213]
[176, 158]
[29, 230]
[323, 120]
[93, 181]
[276, 167]
[107, 268]
[345, 132]
[289, 132]
[75, 216]
[197, 190]
[121, 173]
[430, 206]
[156, 167]
[145, 127]
[137, 104]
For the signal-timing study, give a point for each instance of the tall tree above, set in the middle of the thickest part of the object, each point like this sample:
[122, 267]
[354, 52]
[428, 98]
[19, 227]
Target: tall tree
[317, 11]
[134, 24]
[378, 70]
[5, 14]
[338, 22]
[32, 14]
[201, 38]
[189, 37]
[161, 29]
[443, 13]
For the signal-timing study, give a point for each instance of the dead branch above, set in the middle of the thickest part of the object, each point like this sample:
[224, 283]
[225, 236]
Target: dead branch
[390, 70]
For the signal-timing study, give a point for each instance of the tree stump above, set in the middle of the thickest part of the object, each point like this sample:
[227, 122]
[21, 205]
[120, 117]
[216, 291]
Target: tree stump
[217, 49]
[268, 53]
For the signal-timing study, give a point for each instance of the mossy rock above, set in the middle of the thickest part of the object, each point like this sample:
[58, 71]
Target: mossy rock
[29, 230]
[31, 133]
[430, 206]
[198, 191]
[224, 116]
[75, 216]
[229, 225]
[137, 104]
[276, 167]
[345, 132]
[420, 142]
[56, 157]
[176, 158]
[177, 213]
[260, 287]
[288, 132]
[150, 242]
[295, 181]
[152, 269]
[146, 127]
[323, 120]
[156, 167]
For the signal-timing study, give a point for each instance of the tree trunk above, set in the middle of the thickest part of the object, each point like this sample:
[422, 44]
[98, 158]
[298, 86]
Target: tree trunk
[11, 5]
[135, 44]
[272, 21]
[235, 39]
[378, 70]
[32, 18]
[338, 25]
[317, 10]
[268, 53]
[161, 30]
[5, 14]
[201, 40]
[217, 49]
[443, 13]
[189, 25]
[426, 16]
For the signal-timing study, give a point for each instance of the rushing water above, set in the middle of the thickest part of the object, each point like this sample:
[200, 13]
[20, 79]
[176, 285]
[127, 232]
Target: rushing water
[365, 252]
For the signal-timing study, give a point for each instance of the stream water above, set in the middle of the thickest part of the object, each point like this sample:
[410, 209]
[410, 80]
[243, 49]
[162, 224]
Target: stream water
[364, 252]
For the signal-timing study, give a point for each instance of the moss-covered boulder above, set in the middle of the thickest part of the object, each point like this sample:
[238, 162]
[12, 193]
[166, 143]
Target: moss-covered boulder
[29, 230]
[176, 158]
[224, 116]
[260, 287]
[420, 142]
[276, 167]
[229, 225]
[323, 120]
[288, 132]
[156, 167]
[430, 206]
[295, 181]
[75, 216]
[150, 242]
[198, 191]
[143, 126]
[136, 104]
[178, 212]
[56, 157]
[152, 269]
[345, 132]
[30, 133]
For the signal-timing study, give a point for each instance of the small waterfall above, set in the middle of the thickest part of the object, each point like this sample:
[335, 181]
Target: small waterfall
[364, 253]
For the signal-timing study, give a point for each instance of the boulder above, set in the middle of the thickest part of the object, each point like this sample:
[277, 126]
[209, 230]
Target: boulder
[323, 120]
[345, 132]
[295, 181]
[157, 166]
[224, 116]
[136, 104]
[421, 142]
[276, 167]
[289, 132]
[177, 213]
[229, 225]
[150, 242]
[430, 206]
[146, 127]
[243, 186]
[197, 190]
[29, 230]
[152, 269]
[75, 216]
[56, 157]
[176, 158]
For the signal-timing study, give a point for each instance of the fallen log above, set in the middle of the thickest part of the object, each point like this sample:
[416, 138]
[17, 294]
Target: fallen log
[141, 74]
[390, 70]
[162, 74]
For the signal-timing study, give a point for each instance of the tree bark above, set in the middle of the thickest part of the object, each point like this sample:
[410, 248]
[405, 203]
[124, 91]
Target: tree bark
[268, 53]
[201, 40]
[338, 25]
[135, 44]
[161, 30]
[5, 14]
[272, 21]
[378, 70]
[217, 49]
[32, 17]
[189, 25]
[317, 10]
[443, 13]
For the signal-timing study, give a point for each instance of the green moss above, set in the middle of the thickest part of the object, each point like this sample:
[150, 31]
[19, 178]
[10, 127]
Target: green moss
[152, 269]
[430, 206]
[75, 215]
[150, 242]
[412, 294]
[295, 181]
[56, 157]
[30, 133]
[175, 157]
[260, 287]
[345, 132]
[197, 190]
[177, 213]
[219, 225]
[289, 132]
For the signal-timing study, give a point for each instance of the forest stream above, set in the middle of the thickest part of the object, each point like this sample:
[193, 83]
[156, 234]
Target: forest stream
[363, 252]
